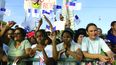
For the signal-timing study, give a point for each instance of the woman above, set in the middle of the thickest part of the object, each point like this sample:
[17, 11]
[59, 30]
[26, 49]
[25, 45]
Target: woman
[3, 56]
[43, 47]
[8, 35]
[19, 48]
[68, 49]
[93, 45]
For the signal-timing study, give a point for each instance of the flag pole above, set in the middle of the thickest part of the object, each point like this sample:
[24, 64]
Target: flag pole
[70, 15]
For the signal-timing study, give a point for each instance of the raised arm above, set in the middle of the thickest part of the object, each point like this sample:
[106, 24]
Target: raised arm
[39, 25]
[55, 52]
[48, 21]
[7, 26]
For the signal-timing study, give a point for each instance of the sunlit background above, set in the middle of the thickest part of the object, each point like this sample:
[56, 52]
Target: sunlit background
[100, 12]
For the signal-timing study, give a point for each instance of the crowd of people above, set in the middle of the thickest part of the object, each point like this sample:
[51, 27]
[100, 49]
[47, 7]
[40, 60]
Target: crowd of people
[85, 46]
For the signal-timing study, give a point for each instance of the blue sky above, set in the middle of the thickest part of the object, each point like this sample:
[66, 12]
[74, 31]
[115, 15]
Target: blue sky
[100, 12]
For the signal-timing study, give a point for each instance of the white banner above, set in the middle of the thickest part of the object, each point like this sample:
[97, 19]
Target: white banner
[60, 25]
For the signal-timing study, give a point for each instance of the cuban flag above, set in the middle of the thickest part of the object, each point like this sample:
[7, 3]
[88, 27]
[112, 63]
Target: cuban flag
[48, 13]
[76, 19]
[45, 12]
[74, 5]
[78, 6]
[48, 28]
[58, 6]
[2, 9]
[35, 13]
[71, 5]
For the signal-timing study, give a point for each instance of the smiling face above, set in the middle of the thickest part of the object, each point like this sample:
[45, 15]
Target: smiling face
[66, 38]
[17, 35]
[39, 36]
[92, 32]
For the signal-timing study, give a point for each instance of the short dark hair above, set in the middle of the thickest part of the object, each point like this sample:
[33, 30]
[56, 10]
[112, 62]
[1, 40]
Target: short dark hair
[70, 31]
[44, 33]
[80, 31]
[23, 32]
[113, 22]
[90, 24]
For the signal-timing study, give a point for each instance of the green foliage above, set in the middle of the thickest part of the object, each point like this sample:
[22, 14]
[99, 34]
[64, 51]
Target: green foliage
[2, 22]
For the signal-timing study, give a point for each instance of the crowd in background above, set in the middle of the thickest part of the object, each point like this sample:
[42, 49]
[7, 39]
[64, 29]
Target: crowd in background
[85, 45]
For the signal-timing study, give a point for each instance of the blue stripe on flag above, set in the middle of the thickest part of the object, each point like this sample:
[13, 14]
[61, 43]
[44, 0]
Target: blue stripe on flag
[29, 10]
[35, 10]
[51, 11]
[2, 9]
[48, 27]
[27, 28]
[58, 7]
[76, 17]
[45, 12]
[54, 28]
[76, 20]
[72, 4]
